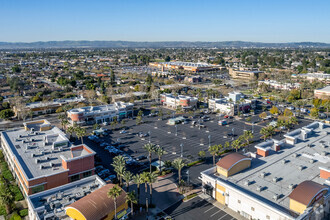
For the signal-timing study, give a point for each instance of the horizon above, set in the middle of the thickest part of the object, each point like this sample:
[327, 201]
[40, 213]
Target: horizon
[149, 21]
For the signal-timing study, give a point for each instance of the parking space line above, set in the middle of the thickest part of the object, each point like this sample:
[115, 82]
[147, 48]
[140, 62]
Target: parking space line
[216, 212]
[209, 209]
[223, 216]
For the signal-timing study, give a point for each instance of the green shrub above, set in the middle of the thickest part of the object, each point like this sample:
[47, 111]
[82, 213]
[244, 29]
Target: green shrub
[194, 163]
[190, 196]
[23, 212]
[3, 210]
[15, 216]
[16, 192]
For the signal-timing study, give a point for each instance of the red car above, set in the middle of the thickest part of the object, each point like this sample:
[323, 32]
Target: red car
[226, 116]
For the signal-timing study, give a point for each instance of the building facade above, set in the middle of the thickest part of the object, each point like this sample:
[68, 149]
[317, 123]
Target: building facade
[243, 74]
[41, 157]
[323, 93]
[188, 66]
[100, 114]
[186, 102]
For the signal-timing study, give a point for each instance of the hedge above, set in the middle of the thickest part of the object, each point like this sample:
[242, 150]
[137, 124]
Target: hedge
[3, 210]
[16, 192]
[15, 216]
[23, 212]
[190, 196]
[194, 163]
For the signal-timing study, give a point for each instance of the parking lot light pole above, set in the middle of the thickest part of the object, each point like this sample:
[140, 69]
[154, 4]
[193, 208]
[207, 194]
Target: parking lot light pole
[209, 140]
[181, 145]
[149, 132]
[188, 176]
[176, 130]
[233, 134]
[199, 124]
[252, 128]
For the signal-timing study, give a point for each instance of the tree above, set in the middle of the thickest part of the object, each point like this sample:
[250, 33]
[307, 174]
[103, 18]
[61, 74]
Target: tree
[127, 177]
[160, 114]
[71, 130]
[201, 155]
[178, 164]
[152, 178]
[274, 110]
[247, 137]
[6, 114]
[119, 167]
[112, 77]
[114, 193]
[236, 144]
[80, 132]
[138, 181]
[167, 59]
[6, 198]
[149, 80]
[160, 152]
[214, 150]
[317, 103]
[263, 115]
[150, 148]
[96, 126]
[287, 112]
[314, 112]
[326, 104]
[145, 179]
[131, 198]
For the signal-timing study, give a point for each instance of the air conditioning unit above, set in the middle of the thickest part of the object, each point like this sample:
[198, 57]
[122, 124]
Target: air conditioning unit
[275, 179]
[301, 167]
[263, 174]
[276, 196]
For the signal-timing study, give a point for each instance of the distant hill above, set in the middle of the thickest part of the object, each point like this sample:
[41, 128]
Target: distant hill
[160, 44]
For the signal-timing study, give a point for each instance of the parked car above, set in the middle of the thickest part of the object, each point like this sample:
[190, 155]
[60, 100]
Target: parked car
[142, 157]
[222, 122]
[105, 123]
[123, 132]
[226, 116]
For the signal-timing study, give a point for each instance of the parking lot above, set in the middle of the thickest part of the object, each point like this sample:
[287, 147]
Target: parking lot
[197, 208]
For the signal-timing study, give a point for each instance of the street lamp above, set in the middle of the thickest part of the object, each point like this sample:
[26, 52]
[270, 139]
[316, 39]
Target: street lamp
[188, 176]
[252, 127]
[209, 140]
[181, 145]
[149, 132]
[232, 131]
[199, 123]
[176, 130]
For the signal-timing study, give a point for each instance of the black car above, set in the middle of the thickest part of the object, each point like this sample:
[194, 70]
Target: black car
[141, 158]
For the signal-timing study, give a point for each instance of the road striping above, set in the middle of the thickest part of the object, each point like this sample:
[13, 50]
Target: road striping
[216, 212]
[209, 209]
[223, 216]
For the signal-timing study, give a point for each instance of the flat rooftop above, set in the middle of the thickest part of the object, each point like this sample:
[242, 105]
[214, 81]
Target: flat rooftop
[51, 203]
[55, 102]
[39, 152]
[101, 108]
[188, 64]
[278, 172]
[325, 89]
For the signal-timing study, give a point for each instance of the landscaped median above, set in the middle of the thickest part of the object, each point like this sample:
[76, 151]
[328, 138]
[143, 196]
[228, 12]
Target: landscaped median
[190, 196]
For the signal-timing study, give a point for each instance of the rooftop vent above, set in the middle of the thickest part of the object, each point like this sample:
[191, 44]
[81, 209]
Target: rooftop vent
[301, 167]
[324, 153]
[309, 145]
[37, 133]
[42, 167]
[292, 186]
[295, 155]
[37, 161]
[51, 164]
[260, 188]
[263, 174]
[284, 161]
[311, 161]
[247, 182]
[33, 155]
[275, 179]
[276, 197]
[32, 130]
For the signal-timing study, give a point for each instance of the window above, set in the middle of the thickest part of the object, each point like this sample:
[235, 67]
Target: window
[38, 189]
[74, 178]
[87, 174]
[252, 208]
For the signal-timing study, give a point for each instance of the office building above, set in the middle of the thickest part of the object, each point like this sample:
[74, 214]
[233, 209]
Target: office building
[244, 74]
[323, 93]
[286, 179]
[278, 85]
[41, 157]
[324, 77]
[100, 114]
[186, 102]
[51, 204]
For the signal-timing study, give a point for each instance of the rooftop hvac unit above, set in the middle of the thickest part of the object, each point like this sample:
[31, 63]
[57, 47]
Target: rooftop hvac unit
[324, 153]
[51, 164]
[32, 130]
[294, 155]
[301, 167]
[292, 186]
[37, 161]
[311, 161]
[19, 136]
[259, 188]
[276, 196]
[36, 133]
[33, 155]
[247, 182]
[263, 174]
[284, 161]
[275, 179]
[42, 167]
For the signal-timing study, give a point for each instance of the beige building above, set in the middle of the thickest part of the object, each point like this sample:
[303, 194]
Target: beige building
[323, 93]
[243, 74]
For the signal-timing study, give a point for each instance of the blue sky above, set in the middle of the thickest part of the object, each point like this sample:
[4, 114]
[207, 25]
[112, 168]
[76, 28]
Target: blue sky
[146, 20]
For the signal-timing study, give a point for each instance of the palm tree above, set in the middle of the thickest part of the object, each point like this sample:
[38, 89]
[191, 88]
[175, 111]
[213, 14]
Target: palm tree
[326, 105]
[178, 164]
[138, 180]
[236, 144]
[131, 198]
[293, 121]
[152, 178]
[6, 199]
[145, 180]
[80, 132]
[127, 177]
[214, 150]
[64, 123]
[61, 118]
[160, 152]
[150, 148]
[71, 130]
[119, 167]
[264, 131]
[114, 193]
[247, 136]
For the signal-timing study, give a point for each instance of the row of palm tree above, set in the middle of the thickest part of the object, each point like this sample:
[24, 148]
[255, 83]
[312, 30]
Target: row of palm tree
[151, 148]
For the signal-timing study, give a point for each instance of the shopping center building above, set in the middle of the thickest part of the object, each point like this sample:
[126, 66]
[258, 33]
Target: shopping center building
[284, 179]
[41, 157]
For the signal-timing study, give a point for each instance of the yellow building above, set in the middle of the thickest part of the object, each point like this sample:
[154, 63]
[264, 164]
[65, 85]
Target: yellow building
[233, 163]
[98, 205]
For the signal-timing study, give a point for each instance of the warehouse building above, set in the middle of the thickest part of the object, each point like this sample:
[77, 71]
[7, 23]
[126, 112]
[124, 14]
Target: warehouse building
[188, 66]
[41, 157]
[283, 180]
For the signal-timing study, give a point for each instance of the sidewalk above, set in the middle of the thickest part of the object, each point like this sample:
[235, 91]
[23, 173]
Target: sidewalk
[222, 207]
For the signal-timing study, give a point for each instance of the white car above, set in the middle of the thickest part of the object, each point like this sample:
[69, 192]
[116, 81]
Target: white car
[123, 132]
[105, 123]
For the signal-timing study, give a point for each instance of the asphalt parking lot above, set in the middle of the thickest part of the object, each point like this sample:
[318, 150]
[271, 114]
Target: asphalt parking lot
[197, 208]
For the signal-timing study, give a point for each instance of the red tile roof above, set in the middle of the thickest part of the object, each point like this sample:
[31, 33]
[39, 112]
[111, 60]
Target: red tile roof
[306, 191]
[97, 205]
[229, 160]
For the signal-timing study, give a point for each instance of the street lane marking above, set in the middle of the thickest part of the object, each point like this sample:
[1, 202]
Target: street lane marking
[216, 212]
[209, 209]
[223, 216]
